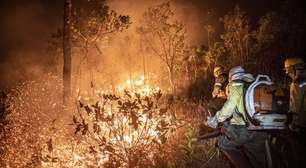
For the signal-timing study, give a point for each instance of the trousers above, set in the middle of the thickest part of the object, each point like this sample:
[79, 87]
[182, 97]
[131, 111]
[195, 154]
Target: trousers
[248, 144]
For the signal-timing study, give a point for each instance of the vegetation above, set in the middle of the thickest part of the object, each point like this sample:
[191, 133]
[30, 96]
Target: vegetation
[166, 38]
[146, 122]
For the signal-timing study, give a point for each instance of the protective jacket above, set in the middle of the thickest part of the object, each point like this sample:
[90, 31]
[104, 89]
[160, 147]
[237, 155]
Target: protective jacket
[298, 102]
[219, 87]
[234, 106]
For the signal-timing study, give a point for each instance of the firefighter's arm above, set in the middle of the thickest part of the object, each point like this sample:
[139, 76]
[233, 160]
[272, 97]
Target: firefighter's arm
[229, 106]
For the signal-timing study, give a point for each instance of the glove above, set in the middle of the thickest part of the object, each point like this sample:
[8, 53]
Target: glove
[212, 122]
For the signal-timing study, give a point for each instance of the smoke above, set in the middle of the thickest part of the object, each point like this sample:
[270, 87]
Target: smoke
[26, 27]
[126, 57]
[193, 14]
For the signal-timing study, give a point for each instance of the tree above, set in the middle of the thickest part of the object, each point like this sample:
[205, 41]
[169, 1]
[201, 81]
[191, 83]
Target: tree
[93, 24]
[88, 25]
[236, 37]
[93, 21]
[67, 51]
[165, 37]
[280, 34]
[268, 43]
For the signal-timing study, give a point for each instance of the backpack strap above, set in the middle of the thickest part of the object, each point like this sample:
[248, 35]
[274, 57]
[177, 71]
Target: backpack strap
[248, 119]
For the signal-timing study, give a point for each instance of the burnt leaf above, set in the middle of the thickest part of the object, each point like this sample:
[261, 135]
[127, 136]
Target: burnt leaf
[74, 120]
[96, 128]
[98, 115]
[55, 159]
[155, 141]
[92, 150]
[147, 98]
[150, 104]
[137, 95]
[163, 138]
[162, 111]
[91, 84]
[163, 124]
[144, 111]
[53, 121]
[96, 105]
[50, 145]
[81, 104]
[158, 95]
[103, 141]
[85, 129]
[139, 101]
[48, 158]
[127, 93]
[150, 116]
[109, 148]
[88, 110]
[78, 128]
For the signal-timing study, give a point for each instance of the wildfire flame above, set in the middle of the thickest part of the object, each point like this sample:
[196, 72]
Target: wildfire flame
[139, 85]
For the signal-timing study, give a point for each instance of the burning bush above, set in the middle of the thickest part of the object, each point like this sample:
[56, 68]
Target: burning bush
[126, 130]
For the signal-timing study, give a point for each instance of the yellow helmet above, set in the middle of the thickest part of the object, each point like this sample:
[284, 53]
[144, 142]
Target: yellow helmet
[290, 62]
[218, 70]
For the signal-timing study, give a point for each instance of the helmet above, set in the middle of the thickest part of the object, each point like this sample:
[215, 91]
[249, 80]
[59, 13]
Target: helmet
[218, 70]
[289, 62]
[236, 72]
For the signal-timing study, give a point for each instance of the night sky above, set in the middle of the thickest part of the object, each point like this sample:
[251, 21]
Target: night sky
[27, 25]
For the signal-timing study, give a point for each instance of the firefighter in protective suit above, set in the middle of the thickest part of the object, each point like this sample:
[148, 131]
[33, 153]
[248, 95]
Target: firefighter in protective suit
[295, 69]
[244, 148]
[221, 81]
[219, 90]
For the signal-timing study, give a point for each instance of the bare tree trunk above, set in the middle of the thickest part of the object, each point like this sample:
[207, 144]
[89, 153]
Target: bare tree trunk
[131, 73]
[171, 79]
[145, 71]
[67, 52]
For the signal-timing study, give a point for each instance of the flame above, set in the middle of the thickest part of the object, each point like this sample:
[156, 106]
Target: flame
[137, 85]
[76, 155]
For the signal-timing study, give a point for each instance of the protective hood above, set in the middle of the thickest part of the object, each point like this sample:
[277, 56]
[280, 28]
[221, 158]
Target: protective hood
[247, 77]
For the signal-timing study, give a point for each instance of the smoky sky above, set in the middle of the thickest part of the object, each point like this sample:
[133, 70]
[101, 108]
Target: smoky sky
[27, 25]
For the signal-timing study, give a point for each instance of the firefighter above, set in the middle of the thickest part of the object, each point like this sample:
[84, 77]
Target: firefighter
[244, 148]
[295, 69]
[219, 90]
[220, 82]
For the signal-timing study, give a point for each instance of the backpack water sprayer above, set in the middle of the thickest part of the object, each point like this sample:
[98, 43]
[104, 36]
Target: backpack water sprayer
[265, 105]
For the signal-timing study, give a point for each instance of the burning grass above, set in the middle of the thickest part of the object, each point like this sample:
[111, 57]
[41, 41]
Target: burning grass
[133, 128]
